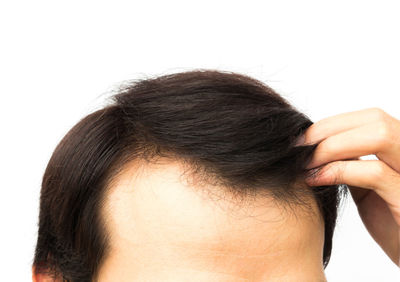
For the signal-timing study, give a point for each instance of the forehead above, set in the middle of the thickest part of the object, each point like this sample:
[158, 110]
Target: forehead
[148, 199]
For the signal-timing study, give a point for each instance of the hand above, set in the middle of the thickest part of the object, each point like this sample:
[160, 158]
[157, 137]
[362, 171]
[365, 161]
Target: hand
[374, 184]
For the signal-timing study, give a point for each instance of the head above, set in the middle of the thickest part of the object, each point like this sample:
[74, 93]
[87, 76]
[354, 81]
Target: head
[193, 173]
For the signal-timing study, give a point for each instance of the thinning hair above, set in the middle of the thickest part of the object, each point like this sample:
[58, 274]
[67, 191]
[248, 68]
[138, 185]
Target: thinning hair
[230, 129]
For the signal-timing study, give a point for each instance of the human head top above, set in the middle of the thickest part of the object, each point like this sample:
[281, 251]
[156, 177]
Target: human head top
[228, 134]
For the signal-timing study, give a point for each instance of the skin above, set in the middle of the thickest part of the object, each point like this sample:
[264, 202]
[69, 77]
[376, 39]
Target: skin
[374, 184]
[166, 230]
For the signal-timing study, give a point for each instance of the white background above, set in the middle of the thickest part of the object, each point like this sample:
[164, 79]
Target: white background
[58, 60]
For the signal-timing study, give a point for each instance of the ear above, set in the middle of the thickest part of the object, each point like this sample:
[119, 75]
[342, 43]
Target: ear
[43, 277]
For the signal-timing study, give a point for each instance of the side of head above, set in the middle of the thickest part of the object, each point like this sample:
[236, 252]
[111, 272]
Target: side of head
[225, 129]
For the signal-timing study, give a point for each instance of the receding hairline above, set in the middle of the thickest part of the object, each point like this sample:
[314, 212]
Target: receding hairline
[198, 180]
[232, 204]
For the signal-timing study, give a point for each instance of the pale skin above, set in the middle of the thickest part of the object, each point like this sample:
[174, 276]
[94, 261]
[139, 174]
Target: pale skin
[374, 184]
[164, 231]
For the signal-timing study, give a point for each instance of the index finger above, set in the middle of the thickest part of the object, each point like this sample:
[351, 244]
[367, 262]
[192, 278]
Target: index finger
[332, 125]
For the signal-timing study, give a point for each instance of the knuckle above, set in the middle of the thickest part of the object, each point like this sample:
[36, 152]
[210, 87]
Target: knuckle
[383, 133]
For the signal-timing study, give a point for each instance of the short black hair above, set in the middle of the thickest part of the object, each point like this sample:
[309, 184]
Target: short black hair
[231, 129]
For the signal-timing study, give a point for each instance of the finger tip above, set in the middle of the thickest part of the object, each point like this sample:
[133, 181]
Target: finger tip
[313, 173]
[310, 166]
[300, 140]
[311, 181]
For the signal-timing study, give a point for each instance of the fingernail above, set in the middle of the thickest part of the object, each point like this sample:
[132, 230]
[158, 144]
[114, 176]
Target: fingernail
[300, 141]
[310, 166]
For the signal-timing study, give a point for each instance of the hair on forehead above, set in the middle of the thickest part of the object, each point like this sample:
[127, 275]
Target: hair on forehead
[227, 129]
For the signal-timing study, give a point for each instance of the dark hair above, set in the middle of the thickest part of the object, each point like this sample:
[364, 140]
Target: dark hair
[231, 129]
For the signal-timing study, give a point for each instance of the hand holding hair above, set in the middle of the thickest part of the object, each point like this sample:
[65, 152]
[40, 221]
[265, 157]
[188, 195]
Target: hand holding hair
[374, 184]
[233, 136]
